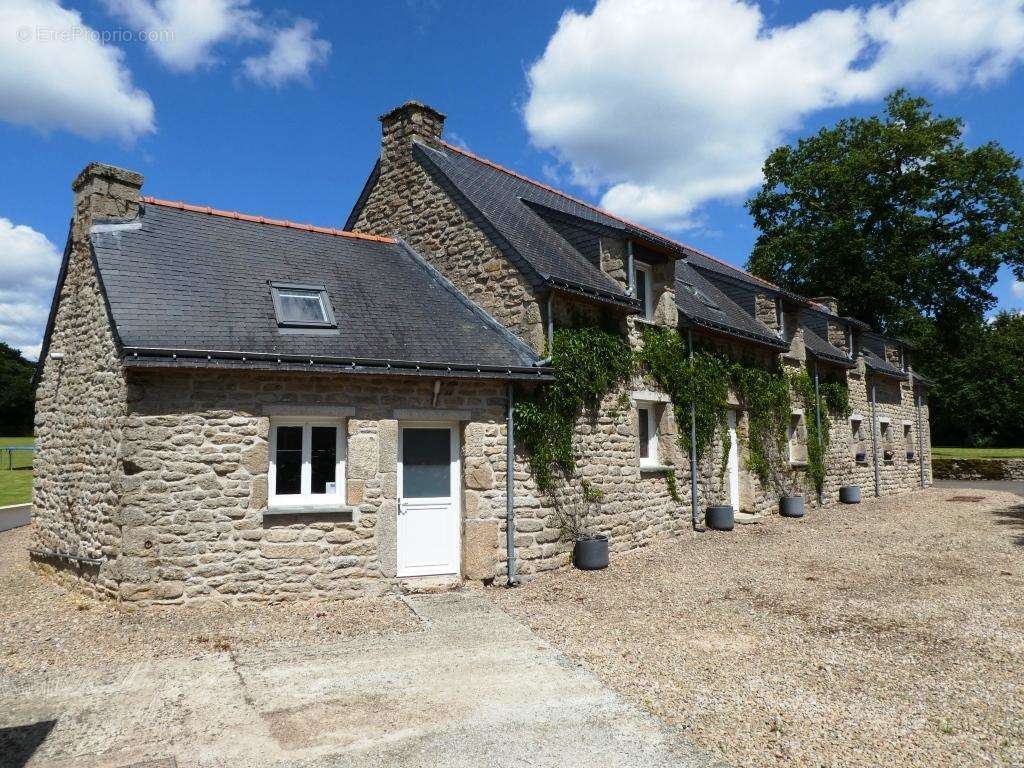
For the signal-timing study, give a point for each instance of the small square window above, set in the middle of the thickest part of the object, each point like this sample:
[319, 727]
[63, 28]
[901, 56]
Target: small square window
[307, 463]
[302, 306]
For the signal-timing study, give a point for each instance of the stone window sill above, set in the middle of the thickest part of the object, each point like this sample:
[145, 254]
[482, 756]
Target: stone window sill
[334, 510]
[798, 464]
[864, 463]
[655, 469]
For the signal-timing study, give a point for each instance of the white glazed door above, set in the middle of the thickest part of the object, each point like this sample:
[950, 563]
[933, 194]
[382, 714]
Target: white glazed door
[734, 463]
[428, 500]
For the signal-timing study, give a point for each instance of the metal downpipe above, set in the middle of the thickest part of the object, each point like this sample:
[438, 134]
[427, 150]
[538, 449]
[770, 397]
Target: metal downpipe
[920, 440]
[510, 466]
[874, 442]
[817, 423]
[694, 508]
[551, 324]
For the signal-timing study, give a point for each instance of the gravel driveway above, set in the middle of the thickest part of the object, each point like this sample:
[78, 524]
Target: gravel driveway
[889, 633]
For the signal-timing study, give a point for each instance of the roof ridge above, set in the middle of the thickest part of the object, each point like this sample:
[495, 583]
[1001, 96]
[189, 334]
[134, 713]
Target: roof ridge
[264, 220]
[600, 210]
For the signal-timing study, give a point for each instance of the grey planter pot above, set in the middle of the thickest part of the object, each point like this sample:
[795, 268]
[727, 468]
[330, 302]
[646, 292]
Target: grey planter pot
[720, 518]
[791, 506]
[849, 494]
[591, 554]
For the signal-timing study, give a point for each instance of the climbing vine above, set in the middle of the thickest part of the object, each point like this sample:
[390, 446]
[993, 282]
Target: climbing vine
[588, 363]
[764, 394]
[704, 381]
[833, 398]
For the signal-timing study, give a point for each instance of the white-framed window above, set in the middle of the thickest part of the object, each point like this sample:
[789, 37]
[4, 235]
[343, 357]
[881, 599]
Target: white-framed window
[647, 434]
[849, 342]
[780, 317]
[307, 462]
[908, 441]
[644, 286]
[885, 438]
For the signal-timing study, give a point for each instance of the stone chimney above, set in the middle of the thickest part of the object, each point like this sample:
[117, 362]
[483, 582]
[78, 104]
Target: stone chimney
[104, 192]
[412, 120]
[829, 302]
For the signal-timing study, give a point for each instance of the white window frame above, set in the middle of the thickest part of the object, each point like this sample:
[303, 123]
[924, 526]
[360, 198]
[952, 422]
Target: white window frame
[652, 459]
[780, 318]
[647, 273]
[305, 498]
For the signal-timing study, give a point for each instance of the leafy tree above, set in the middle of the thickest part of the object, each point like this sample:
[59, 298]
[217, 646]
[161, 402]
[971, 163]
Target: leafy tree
[16, 404]
[979, 399]
[906, 226]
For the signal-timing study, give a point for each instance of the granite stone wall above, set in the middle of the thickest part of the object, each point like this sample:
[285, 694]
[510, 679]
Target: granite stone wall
[407, 202]
[81, 403]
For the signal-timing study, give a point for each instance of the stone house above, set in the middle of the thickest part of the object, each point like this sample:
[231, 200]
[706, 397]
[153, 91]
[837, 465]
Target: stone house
[238, 408]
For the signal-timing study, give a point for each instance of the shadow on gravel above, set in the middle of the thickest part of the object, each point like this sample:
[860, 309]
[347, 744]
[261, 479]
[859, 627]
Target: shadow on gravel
[20, 742]
[1013, 517]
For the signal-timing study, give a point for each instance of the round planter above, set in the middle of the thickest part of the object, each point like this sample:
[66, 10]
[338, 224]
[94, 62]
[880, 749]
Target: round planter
[720, 518]
[849, 494]
[791, 506]
[591, 553]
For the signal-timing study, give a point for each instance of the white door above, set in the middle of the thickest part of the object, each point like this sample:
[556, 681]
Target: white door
[429, 506]
[734, 463]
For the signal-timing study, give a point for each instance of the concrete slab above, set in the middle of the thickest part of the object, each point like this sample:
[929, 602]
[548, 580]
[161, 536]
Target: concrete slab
[1009, 486]
[474, 688]
[15, 516]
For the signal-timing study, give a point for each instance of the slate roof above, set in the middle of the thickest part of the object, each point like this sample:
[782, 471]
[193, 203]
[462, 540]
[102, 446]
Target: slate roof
[501, 198]
[553, 238]
[872, 346]
[703, 303]
[816, 339]
[181, 280]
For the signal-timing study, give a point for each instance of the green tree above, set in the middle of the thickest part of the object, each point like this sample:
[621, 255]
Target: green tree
[16, 404]
[979, 399]
[899, 220]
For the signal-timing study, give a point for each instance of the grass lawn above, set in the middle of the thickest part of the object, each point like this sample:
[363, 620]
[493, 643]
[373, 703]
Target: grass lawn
[16, 485]
[979, 453]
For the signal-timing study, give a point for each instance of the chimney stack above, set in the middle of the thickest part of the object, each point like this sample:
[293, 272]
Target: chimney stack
[412, 120]
[831, 303]
[104, 192]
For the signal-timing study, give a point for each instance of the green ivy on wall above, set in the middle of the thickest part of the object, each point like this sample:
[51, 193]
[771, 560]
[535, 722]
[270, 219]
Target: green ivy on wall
[703, 381]
[834, 398]
[764, 395]
[588, 364]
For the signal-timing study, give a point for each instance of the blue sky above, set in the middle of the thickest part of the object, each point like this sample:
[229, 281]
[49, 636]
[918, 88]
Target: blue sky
[295, 136]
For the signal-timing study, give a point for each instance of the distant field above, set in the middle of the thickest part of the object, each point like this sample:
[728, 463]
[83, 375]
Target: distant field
[979, 453]
[16, 485]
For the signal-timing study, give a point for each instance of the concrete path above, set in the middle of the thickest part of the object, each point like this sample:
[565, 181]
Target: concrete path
[474, 688]
[1009, 486]
[15, 516]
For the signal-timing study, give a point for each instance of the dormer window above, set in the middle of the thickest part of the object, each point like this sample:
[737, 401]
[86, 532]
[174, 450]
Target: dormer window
[642, 275]
[780, 318]
[302, 306]
[849, 342]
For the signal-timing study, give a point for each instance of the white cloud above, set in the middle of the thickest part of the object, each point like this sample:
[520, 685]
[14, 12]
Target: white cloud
[293, 51]
[57, 73]
[663, 105]
[1017, 289]
[29, 263]
[185, 35]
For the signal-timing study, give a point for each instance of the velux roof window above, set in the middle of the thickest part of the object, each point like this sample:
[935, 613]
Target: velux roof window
[302, 306]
